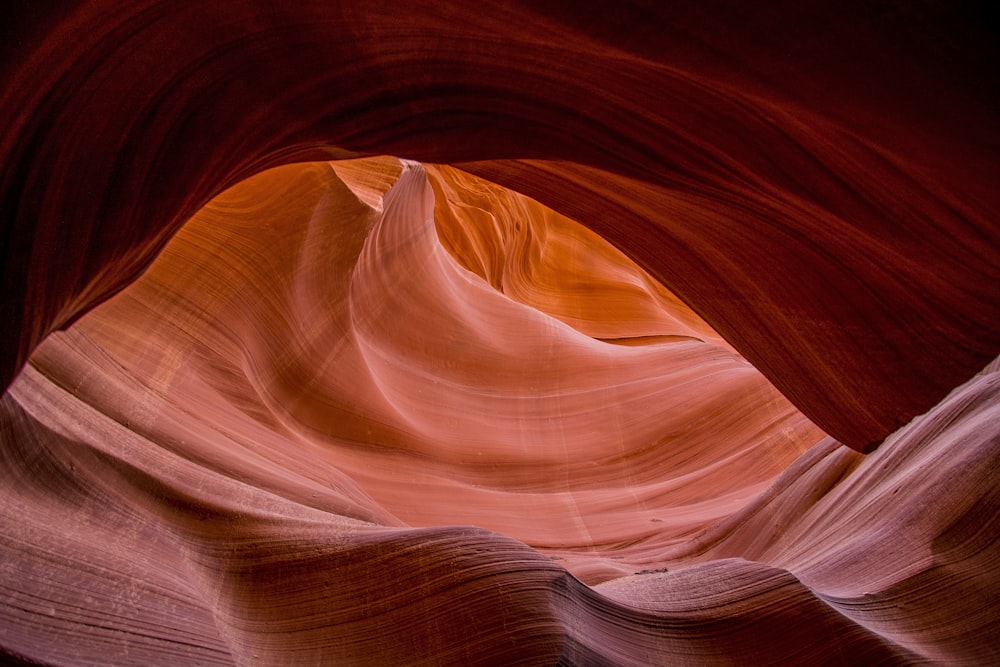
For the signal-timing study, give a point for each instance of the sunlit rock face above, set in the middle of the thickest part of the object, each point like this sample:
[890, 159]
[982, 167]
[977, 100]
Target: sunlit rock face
[305, 305]
[384, 411]
[375, 412]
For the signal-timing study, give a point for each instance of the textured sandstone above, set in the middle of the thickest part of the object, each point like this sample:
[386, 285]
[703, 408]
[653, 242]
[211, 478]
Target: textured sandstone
[818, 183]
[380, 411]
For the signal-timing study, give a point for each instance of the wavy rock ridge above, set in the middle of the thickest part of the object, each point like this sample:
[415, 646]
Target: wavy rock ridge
[245, 443]
[382, 412]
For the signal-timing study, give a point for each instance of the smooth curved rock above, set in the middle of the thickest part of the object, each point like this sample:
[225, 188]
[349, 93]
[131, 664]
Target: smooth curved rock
[291, 313]
[830, 212]
[383, 412]
[264, 451]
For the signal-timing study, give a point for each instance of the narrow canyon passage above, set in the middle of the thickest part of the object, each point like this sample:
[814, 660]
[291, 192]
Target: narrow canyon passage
[670, 337]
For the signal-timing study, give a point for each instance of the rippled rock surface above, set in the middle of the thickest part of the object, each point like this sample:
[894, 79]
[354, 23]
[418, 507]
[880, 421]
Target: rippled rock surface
[389, 411]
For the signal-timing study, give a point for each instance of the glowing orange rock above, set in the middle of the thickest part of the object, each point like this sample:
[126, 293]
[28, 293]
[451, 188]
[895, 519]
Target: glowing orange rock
[262, 452]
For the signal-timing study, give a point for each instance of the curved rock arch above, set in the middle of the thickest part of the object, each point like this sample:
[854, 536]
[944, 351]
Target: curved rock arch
[818, 183]
[832, 215]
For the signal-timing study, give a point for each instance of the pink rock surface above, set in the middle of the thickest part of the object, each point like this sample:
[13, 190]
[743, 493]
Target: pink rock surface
[384, 412]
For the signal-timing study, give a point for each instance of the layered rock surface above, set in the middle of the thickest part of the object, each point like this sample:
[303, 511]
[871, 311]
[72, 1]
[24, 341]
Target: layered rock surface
[818, 183]
[379, 412]
[309, 434]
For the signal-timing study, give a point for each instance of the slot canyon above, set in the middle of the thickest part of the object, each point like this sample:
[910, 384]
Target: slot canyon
[516, 333]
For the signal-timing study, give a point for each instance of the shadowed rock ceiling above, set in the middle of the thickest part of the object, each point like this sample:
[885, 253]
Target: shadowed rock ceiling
[669, 337]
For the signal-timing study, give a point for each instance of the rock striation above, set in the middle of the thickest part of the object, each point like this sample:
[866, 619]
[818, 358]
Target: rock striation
[568, 382]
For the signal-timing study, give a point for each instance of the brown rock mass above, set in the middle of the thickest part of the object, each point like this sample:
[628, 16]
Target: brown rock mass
[552, 387]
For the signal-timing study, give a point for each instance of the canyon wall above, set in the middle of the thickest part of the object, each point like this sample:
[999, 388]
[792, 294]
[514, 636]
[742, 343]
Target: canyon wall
[669, 337]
